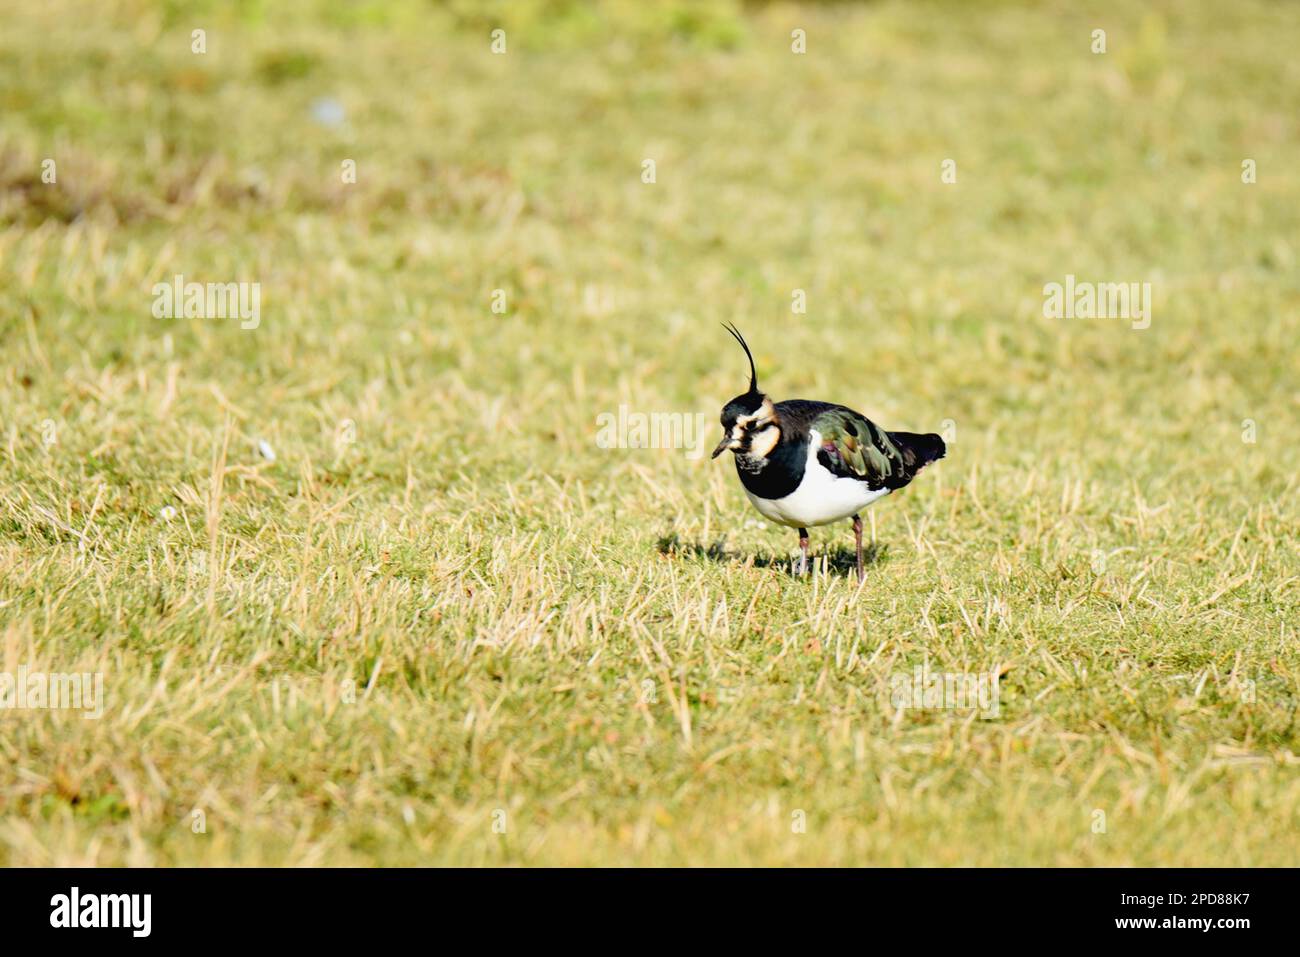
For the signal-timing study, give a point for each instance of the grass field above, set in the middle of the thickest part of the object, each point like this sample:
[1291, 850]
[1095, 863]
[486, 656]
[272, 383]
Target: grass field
[440, 624]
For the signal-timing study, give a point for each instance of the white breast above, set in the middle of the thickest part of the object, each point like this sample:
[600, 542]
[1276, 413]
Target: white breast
[821, 497]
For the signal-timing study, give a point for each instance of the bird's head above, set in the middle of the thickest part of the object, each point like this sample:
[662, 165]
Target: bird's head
[749, 421]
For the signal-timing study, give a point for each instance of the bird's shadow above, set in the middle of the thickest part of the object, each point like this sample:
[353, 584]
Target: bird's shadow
[839, 559]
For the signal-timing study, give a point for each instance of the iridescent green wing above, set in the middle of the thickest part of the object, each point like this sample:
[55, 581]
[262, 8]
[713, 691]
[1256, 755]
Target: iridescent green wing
[852, 446]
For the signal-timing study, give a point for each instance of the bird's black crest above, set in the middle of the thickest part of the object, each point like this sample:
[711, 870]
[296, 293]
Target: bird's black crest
[753, 374]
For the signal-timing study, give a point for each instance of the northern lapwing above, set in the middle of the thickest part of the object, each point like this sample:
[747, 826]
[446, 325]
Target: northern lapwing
[806, 463]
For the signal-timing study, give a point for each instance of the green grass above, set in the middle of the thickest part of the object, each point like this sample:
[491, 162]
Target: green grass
[443, 607]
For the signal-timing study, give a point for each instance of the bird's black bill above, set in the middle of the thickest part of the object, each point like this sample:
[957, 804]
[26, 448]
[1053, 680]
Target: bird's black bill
[722, 447]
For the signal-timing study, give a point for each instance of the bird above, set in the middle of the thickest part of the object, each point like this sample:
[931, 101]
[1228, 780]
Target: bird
[805, 463]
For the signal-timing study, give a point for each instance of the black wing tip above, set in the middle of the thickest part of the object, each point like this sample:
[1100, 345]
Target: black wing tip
[922, 449]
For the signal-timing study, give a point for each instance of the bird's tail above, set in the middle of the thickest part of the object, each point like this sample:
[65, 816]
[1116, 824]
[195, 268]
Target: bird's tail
[919, 450]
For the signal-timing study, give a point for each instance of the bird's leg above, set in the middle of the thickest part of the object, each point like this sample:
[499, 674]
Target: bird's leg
[857, 535]
[803, 547]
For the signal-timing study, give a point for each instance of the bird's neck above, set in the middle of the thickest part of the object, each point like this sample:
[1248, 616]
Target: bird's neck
[777, 473]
